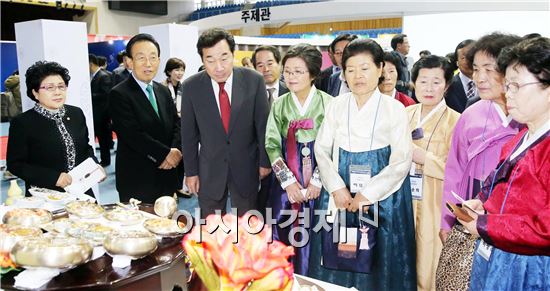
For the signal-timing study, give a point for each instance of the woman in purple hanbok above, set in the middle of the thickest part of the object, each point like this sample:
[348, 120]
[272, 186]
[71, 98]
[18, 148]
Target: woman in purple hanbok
[478, 137]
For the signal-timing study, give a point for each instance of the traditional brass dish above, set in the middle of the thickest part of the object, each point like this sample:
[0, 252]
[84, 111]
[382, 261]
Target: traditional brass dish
[164, 226]
[51, 252]
[133, 243]
[59, 225]
[27, 217]
[123, 216]
[11, 234]
[94, 233]
[84, 209]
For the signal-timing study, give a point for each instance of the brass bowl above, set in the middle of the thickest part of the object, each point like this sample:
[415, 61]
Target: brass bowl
[164, 227]
[165, 206]
[11, 234]
[123, 216]
[84, 209]
[133, 243]
[31, 217]
[51, 252]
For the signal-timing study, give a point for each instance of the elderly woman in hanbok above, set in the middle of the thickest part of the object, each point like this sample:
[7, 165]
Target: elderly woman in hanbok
[433, 123]
[479, 135]
[292, 127]
[513, 252]
[364, 152]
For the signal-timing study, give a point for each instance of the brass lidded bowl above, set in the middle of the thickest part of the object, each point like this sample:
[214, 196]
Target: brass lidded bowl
[31, 217]
[133, 243]
[164, 227]
[51, 252]
[84, 209]
[124, 216]
[11, 234]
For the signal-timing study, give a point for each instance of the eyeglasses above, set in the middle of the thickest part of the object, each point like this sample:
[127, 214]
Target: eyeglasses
[514, 87]
[294, 73]
[52, 87]
[143, 59]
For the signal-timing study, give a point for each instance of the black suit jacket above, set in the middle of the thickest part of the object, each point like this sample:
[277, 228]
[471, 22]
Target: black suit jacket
[322, 80]
[282, 88]
[455, 97]
[36, 152]
[239, 152]
[101, 86]
[120, 74]
[144, 141]
[334, 84]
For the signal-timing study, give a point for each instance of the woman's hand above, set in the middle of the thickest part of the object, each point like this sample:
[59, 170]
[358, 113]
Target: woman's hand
[359, 201]
[312, 192]
[419, 155]
[474, 204]
[104, 173]
[470, 226]
[64, 180]
[294, 193]
[443, 235]
[342, 198]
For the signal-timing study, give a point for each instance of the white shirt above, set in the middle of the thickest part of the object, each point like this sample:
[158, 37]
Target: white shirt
[391, 128]
[227, 87]
[276, 91]
[95, 73]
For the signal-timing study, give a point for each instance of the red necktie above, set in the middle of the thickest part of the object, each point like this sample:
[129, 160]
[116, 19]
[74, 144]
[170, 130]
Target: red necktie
[225, 107]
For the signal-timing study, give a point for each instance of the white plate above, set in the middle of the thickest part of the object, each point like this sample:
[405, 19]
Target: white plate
[51, 196]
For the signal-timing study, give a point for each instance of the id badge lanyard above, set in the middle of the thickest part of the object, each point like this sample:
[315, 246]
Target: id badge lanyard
[416, 177]
[359, 175]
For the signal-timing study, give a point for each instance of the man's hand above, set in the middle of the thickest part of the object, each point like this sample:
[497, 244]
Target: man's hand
[64, 180]
[342, 198]
[172, 159]
[193, 184]
[264, 172]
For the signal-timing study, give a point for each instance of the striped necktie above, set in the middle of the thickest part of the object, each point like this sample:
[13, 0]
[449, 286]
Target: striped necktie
[471, 90]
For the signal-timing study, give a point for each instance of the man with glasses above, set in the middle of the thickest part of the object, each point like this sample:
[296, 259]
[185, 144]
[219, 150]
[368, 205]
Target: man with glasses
[147, 127]
[336, 83]
[224, 109]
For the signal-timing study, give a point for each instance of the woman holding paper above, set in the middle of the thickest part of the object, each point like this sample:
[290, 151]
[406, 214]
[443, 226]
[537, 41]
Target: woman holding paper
[49, 140]
[364, 152]
[291, 130]
[513, 252]
[432, 123]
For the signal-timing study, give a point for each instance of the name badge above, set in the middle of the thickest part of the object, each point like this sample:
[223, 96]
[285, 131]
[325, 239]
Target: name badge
[416, 186]
[347, 246]
[359, 176]
[484, 250]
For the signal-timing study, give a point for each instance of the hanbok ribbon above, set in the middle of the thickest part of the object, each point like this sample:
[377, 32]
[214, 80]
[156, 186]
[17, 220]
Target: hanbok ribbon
[291, 147]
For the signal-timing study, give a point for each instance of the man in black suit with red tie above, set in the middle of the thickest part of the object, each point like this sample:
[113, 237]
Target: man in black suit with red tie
[224, 109]
[147, 126]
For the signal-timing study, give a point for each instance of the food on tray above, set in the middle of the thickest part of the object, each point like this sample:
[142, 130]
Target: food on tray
[124, 216]
[84, 209]
[27, 216]
[95, 233]
[164, 226]
[11, 234]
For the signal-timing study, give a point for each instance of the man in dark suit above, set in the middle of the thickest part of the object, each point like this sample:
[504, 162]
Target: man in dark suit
[400, 45]
[224, 109]
[267, 61]
[334, 81]
[101, 85]
[121, 73]
[147, 126]
[462, 87]
[321, 82]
